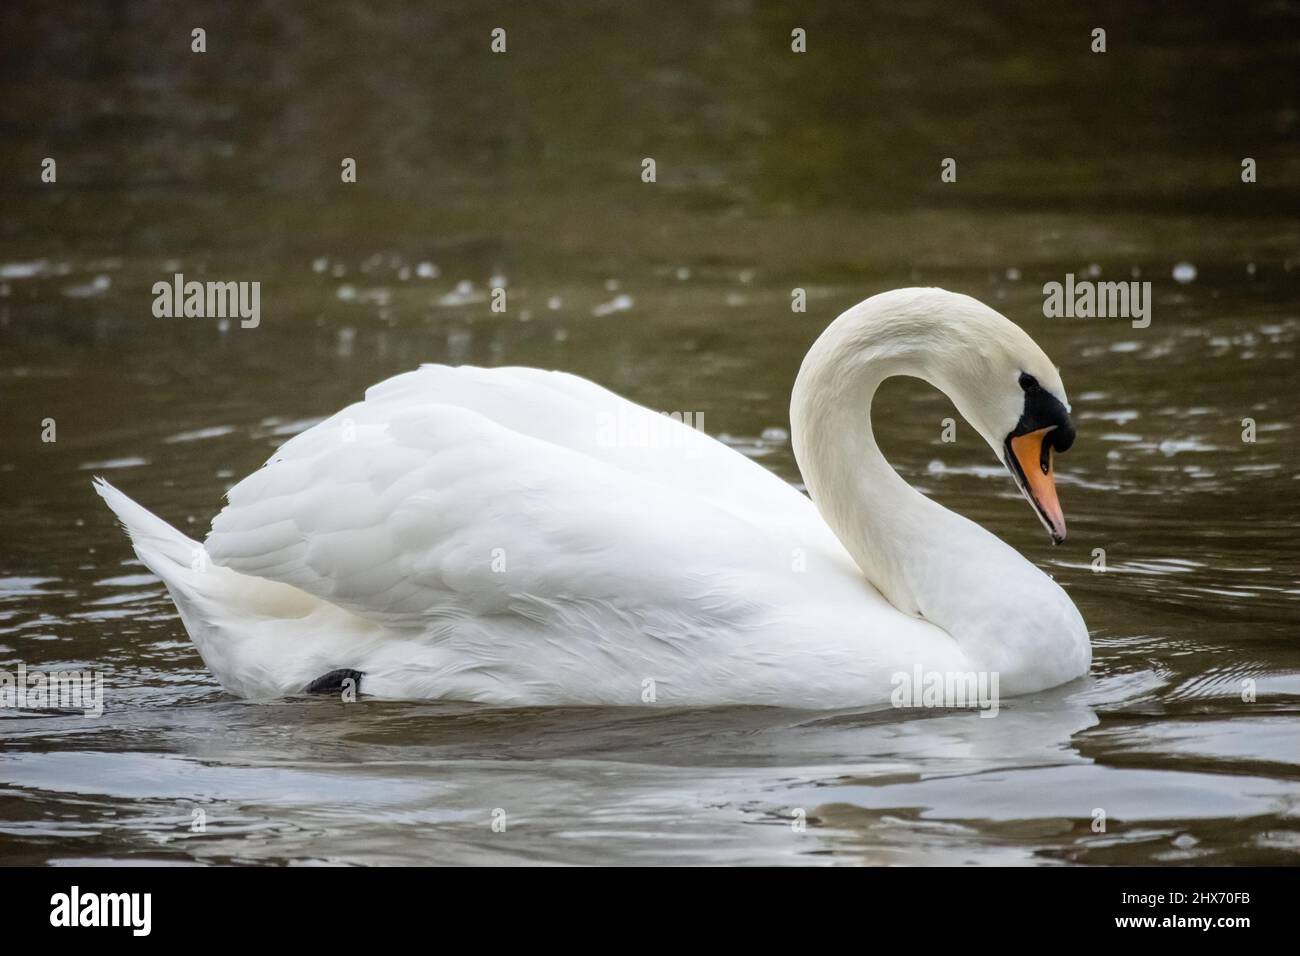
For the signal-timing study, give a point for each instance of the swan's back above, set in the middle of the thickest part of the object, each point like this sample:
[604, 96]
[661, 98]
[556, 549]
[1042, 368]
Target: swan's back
[570, 412]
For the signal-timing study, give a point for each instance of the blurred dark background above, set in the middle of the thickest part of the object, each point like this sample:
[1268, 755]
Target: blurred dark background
[532, 157]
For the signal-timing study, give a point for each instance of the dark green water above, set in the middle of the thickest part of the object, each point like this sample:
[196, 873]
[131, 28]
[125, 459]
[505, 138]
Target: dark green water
[774, 171]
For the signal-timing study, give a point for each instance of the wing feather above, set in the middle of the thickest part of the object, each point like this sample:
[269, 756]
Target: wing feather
[477, 492]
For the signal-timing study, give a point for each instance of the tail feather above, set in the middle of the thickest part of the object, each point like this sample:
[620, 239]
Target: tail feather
[160, 546]
[181, 563]
[259, 638]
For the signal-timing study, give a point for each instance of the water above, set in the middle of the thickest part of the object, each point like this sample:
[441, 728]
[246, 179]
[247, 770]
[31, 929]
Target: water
[774, 172]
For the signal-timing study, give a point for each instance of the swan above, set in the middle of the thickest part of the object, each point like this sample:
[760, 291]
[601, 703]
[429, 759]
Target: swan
[497, 535]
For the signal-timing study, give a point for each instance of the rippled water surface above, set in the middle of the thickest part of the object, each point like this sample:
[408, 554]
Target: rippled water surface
[775, 171]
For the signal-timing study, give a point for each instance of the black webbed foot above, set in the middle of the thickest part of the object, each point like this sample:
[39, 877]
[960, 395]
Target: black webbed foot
[333, 682]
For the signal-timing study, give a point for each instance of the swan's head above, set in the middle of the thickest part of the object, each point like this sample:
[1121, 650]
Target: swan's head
[996, 375]
[1014, 397]
[1043, 429]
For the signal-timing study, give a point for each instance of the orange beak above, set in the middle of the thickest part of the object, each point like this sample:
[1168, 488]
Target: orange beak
[1031, 465]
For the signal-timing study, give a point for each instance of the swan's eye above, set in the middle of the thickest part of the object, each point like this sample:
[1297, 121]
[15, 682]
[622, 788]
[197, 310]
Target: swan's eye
[1028, 382]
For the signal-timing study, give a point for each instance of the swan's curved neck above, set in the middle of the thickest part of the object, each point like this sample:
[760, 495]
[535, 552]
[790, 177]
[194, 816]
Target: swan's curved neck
[1004, 612]
[882, 521]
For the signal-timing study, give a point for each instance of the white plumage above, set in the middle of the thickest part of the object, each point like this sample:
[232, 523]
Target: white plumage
[521, 537]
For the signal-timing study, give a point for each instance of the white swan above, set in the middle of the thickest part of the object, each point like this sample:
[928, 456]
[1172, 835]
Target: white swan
[499, 535]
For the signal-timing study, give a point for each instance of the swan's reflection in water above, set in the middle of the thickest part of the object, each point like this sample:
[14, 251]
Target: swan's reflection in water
[391, 783]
